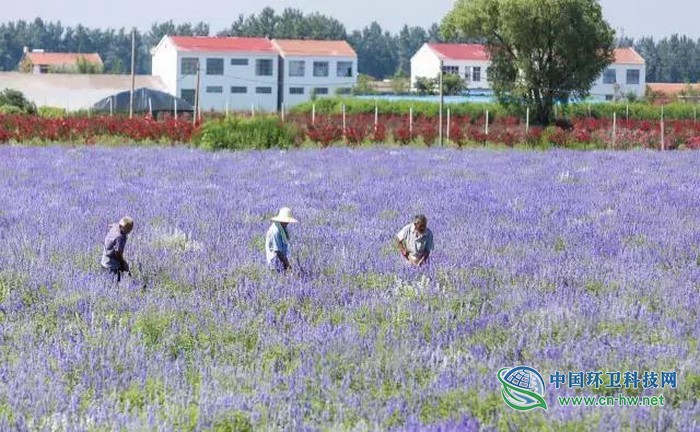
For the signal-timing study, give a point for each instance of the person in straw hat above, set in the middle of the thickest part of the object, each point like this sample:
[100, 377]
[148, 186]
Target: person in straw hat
[415, 241]
[277, 240]
[113, 251]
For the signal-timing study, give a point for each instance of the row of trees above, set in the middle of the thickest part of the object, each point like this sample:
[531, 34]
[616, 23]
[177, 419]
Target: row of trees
[381, 53]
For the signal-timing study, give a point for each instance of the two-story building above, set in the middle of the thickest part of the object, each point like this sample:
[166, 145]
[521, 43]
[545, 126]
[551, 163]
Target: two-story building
[469, 61]
[625, 76]
[314, 68]
[234, 73]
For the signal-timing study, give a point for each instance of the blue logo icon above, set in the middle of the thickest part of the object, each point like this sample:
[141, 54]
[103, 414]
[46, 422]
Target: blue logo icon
[523, 388]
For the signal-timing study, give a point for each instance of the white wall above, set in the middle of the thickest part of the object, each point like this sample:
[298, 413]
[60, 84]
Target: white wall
[602, 92]
[164, 65]
[424, 63]
[308, 82]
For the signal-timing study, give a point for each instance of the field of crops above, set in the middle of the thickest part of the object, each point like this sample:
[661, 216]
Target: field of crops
[562, 261]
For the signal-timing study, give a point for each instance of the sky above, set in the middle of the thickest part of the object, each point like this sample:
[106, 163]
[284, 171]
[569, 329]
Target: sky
[635, 18]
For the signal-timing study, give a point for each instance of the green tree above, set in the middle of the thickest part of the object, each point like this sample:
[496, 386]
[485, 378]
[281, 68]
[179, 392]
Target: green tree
[542, 51]
[15, 98]
[452, 84]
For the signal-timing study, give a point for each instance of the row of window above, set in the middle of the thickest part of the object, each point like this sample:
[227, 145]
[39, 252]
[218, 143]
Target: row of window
[189, 93]
[610, 76]
[297, 68]
[263, 67]
[471, 73]
[215, 66]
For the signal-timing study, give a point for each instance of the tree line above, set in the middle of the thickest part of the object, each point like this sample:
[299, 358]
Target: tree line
[381, 53]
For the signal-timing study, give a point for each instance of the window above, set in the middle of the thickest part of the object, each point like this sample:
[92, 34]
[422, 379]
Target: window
[476, 74]
[297, 68]
[188, 66]
[263, 67]
[215, 89]
[239, 62]
[215, 66]
[633, 76]
[320, 69]
[239, 90]
[321, 90]
[188, 95]
[450, 70]
[296, 90]
[609, 76]
[343, 90]
[608, 97]
[467, 73]
[263, 90]
[344, 69]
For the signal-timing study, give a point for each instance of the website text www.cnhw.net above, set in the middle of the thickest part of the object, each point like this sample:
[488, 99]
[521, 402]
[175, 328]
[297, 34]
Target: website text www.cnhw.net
[612, 401]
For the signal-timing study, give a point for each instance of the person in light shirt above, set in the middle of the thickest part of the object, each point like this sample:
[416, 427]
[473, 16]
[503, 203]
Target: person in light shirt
[277, 241]
[415, 241]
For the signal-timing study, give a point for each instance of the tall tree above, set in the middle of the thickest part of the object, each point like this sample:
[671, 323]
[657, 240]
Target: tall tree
[542, 51]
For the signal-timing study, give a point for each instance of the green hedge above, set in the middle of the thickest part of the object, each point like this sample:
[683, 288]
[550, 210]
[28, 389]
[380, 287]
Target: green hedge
[238, 133]
[637, 110]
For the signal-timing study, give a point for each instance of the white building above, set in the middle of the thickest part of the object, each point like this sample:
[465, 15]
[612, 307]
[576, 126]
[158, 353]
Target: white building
[235, 73]
[469, 61]
[626, 75]
[317, 67]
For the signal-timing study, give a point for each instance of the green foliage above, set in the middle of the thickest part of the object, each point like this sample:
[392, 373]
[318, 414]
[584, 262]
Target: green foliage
[533, 64]
[10, 110]
[425, 86]
[364, 85]
[236, 421]
[237, 133]
[84, 66]
[52, 112]
[15, 98]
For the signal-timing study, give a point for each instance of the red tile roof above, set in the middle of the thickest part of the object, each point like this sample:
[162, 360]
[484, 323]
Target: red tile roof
[222, 44]
[60, 59]
[628, 56]
[460, 51]
[672, 89]
[328, 48]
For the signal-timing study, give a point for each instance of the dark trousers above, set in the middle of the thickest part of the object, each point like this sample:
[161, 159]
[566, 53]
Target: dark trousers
[115, 274]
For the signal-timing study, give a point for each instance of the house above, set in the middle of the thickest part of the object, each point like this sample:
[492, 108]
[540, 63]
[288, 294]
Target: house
[663, 93]
[469, 61]
[40, 62]
[625, 77]
[314, 68]
[235, 73]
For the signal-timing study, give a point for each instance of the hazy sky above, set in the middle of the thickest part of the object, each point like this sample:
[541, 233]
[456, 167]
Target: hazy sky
[637, 17]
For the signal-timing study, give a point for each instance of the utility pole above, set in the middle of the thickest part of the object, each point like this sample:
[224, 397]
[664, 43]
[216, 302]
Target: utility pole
[133, 72]
[196, 98]
[441, 103]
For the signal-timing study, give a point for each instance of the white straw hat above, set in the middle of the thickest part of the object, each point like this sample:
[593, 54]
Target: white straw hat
[285, 216]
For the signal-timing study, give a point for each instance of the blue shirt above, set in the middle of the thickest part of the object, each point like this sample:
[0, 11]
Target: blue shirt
[114, 242]
[276, 241]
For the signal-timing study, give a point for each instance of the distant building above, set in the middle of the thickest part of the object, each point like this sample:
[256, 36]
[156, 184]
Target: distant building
[40, 62]
[235, 73]
[314, 67]
[469, 61]
[624, 77]
[245, 73]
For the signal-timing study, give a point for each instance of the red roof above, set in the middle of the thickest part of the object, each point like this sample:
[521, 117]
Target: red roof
[60, 59]
[222, 44]
[298, 47]
[460, 51]
[628, 56]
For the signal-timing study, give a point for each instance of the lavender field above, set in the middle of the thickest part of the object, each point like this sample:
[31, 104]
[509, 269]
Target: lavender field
[578, 261]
